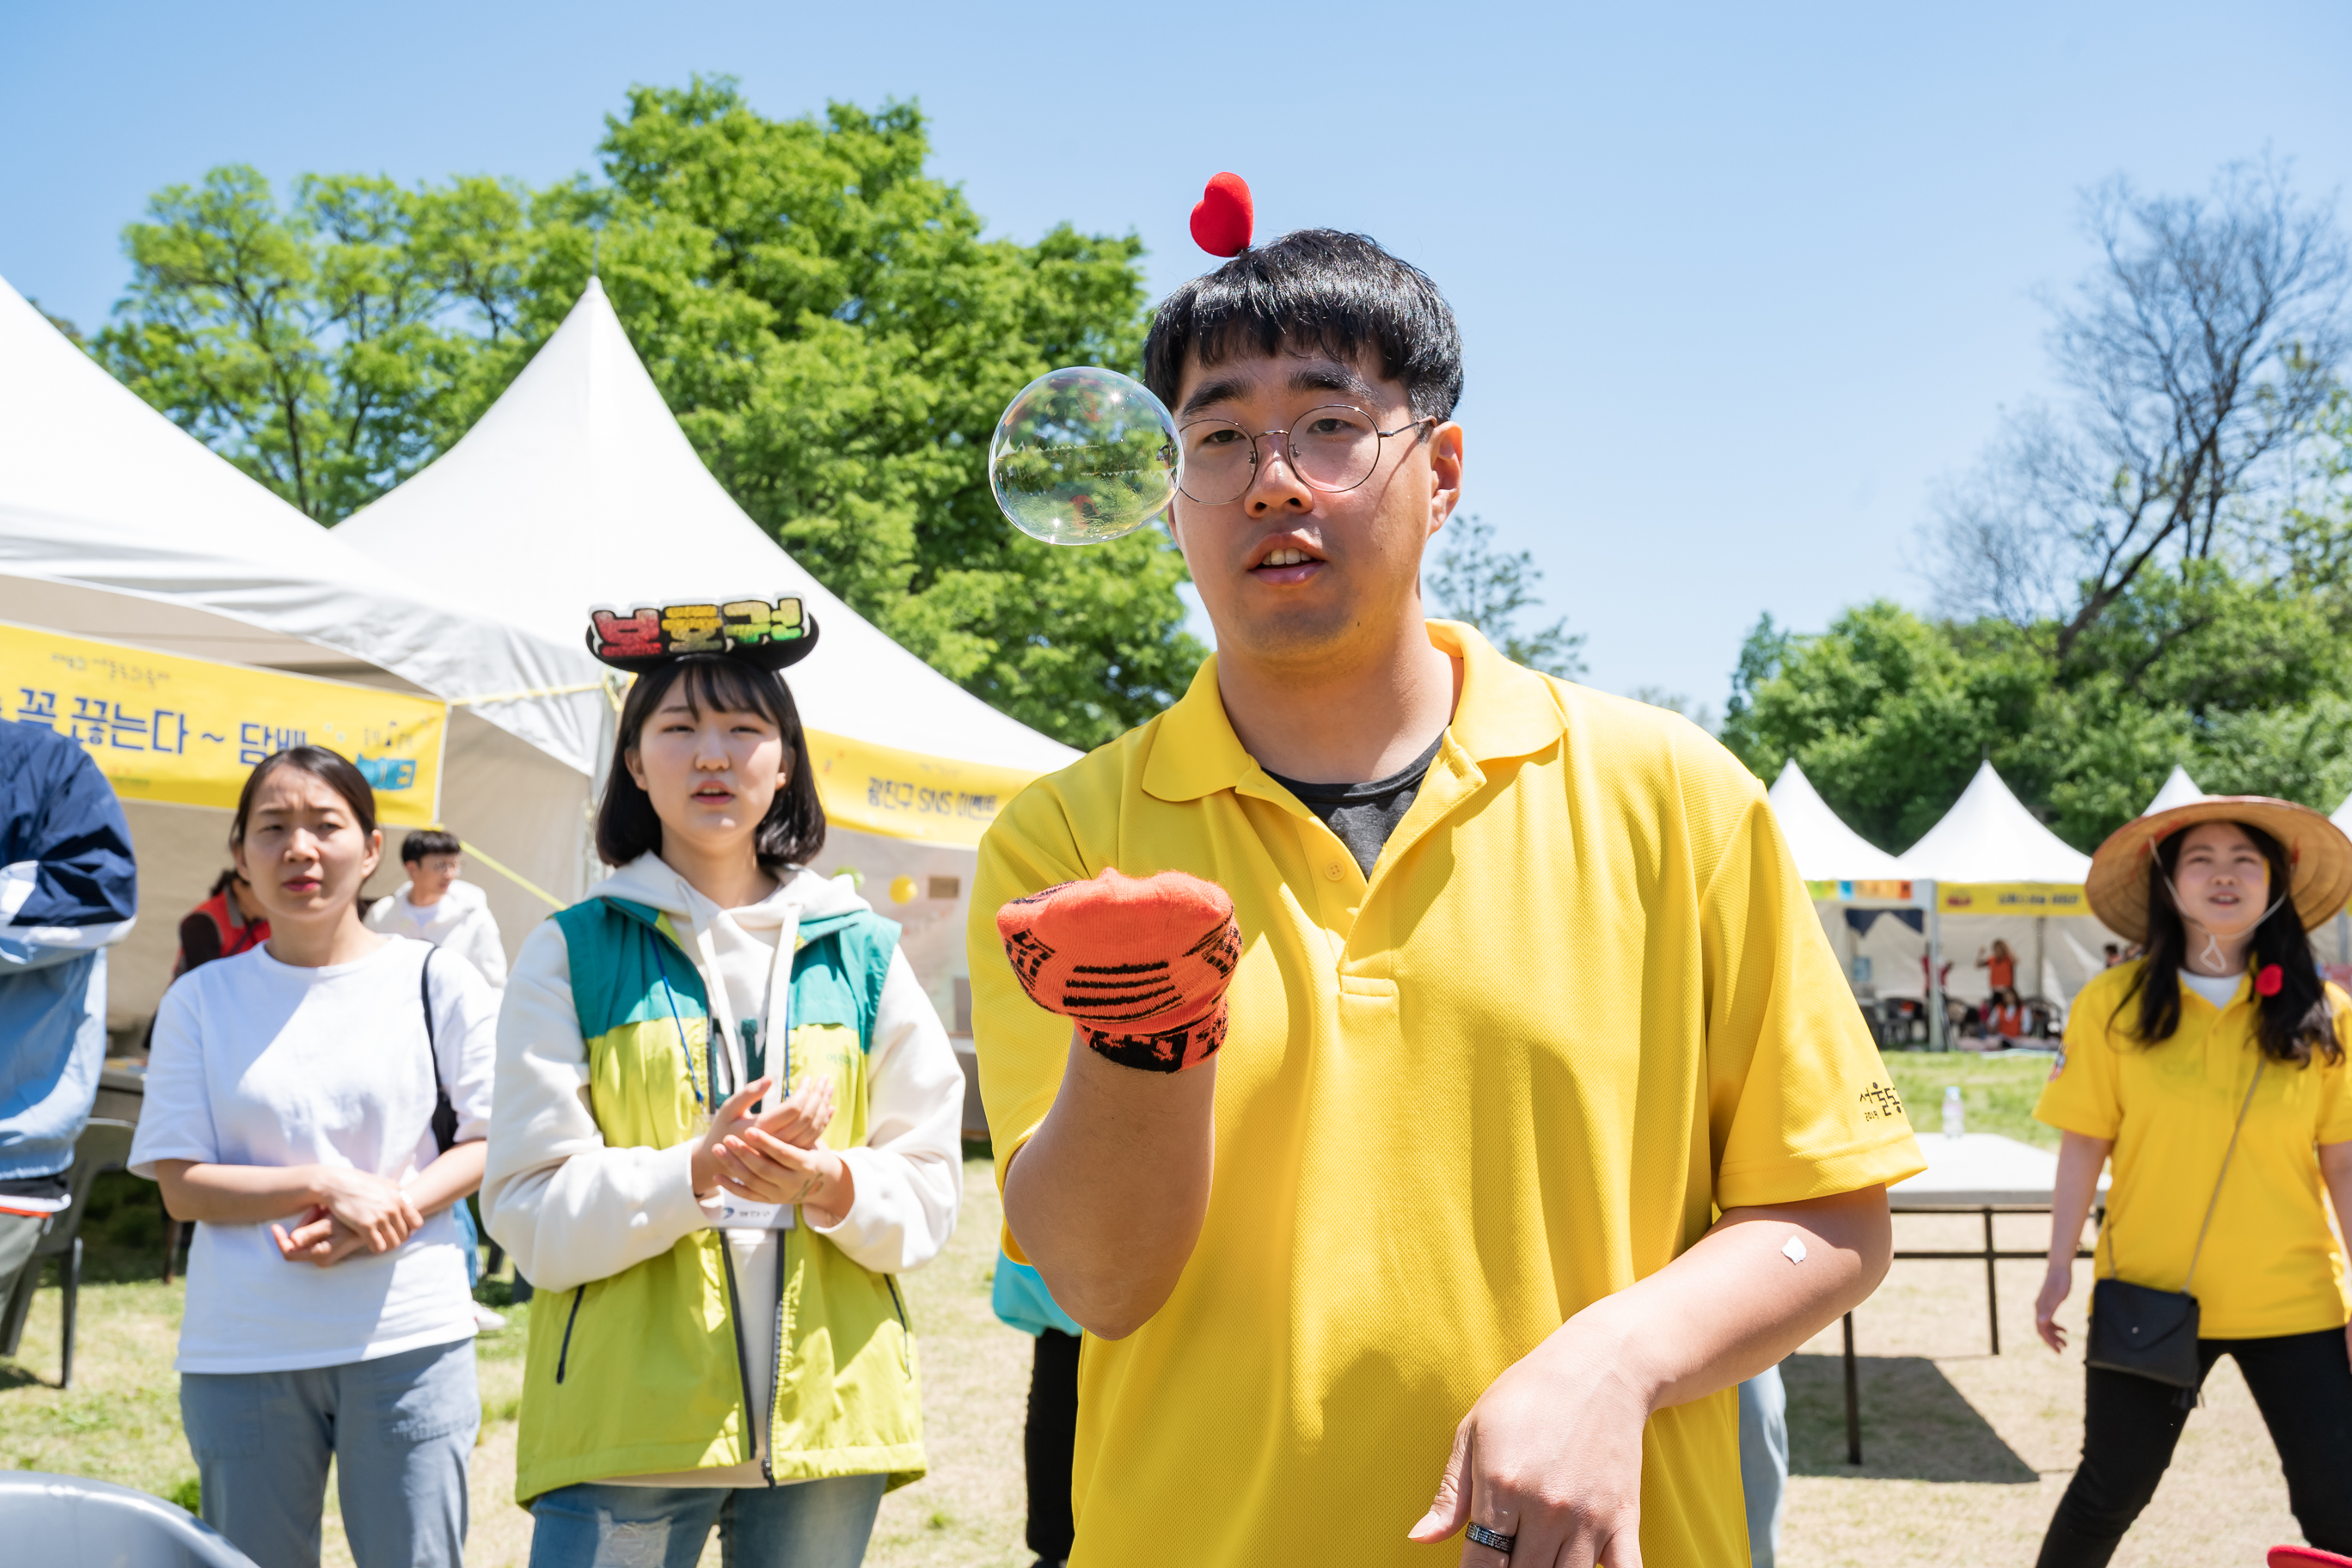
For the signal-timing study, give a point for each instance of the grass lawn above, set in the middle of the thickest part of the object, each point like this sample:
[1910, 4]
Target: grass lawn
[1967, 1452]
[1997, 1090]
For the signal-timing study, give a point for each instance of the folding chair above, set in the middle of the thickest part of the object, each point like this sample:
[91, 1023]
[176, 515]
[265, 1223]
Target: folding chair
[70, 1518]
[103, 1145]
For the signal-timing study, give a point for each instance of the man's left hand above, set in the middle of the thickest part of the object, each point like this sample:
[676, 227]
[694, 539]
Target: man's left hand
[1550, 1455]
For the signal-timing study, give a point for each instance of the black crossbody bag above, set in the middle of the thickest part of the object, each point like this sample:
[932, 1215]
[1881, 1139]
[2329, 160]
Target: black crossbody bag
[2148, 1332]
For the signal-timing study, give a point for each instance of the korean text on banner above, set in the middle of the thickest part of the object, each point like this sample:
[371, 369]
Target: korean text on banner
[906, 795]
[2010, 899]
[186, 731]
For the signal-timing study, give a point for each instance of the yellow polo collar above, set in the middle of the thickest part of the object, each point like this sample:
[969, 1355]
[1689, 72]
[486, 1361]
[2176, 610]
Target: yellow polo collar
[1505, 710]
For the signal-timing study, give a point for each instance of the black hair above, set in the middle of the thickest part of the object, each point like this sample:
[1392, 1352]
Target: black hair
[2295, 1022]
[330, 768]
[1315, 289]
[224, 882]
[423, 841]
[791, 834]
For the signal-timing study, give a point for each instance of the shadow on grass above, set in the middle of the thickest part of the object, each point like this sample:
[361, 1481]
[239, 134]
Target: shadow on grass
[1915, 1425]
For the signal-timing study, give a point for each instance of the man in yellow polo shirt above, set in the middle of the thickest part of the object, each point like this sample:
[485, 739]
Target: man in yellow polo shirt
[1544, 1116]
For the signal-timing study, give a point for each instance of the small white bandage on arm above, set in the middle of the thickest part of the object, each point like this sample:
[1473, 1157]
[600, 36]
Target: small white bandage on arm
[1794, 1249]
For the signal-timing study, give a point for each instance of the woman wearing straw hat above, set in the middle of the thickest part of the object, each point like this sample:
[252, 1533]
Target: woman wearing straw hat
[2213, 1070]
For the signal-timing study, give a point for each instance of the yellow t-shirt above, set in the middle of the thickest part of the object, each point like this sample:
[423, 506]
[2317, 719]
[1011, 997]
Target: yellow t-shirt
[2271, 1265]
[1583, 1004]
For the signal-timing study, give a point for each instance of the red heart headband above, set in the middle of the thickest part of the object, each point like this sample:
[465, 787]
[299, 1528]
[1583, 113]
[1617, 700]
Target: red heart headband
[1222, 217]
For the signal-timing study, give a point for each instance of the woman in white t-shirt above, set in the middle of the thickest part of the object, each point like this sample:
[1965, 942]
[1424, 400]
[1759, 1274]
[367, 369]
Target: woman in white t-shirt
[289, 1109]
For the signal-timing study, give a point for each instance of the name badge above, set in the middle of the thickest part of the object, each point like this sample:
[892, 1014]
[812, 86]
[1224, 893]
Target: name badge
[743, 1213]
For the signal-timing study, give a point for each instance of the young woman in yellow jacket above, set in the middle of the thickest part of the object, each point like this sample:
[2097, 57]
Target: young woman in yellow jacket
[2212, 1070]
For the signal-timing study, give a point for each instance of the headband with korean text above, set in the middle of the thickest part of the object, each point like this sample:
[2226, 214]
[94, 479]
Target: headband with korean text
[768, 634]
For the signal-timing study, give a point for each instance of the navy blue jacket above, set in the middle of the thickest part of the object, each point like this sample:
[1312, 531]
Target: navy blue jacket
[68, 890]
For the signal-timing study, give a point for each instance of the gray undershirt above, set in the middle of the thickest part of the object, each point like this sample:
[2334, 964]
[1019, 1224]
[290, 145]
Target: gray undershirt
[1362, 815]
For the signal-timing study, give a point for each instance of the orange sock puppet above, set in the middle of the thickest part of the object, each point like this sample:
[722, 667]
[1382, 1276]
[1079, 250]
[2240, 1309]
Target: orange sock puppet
[1140, 964]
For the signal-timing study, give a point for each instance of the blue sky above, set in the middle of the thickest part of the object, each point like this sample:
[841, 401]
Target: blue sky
[1738, 284]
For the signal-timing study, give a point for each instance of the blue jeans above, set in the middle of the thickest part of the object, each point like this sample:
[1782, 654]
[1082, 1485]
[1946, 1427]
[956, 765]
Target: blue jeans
[1763, 1461]
[811, 1524]
[472, 1243]
[400, 1429]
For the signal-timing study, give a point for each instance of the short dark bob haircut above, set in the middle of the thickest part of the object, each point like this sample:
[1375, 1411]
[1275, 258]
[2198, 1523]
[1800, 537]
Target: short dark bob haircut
[329, 767]
[423, 841]
[1317, 289]
[791, 834]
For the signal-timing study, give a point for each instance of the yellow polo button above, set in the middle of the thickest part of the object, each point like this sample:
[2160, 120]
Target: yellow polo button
[1332, 870]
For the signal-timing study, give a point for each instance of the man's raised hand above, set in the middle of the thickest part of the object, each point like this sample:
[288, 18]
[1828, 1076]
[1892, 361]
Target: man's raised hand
[1140, 964]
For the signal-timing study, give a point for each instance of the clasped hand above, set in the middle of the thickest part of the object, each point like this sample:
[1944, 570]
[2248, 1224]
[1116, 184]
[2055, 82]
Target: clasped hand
[775, 1157]
[357, 1210]
[1552, 1455]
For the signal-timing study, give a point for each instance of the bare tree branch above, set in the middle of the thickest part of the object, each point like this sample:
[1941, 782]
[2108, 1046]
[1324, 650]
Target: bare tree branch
[2211, 332]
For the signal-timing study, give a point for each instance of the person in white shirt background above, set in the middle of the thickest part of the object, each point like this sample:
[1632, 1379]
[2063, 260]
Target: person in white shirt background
[290, 1112]
[434, 906]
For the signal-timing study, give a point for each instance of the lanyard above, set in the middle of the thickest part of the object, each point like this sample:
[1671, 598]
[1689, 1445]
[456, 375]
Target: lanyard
[725, 1037]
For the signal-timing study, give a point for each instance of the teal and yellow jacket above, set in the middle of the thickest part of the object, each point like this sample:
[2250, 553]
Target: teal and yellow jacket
[658, 1347]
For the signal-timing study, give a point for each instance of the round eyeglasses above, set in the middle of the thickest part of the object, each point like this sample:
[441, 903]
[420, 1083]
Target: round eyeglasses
[1332, 449]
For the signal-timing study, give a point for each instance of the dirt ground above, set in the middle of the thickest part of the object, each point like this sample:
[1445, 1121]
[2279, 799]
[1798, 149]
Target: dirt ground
[1966, 1452]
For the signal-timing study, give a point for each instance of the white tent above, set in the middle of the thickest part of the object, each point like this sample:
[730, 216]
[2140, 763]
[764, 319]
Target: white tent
[577, 488]
[2178, 789]
[1826, 849]
[116, 525]
[1989, 836]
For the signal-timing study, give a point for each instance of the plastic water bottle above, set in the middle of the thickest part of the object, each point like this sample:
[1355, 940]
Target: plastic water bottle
[1955, 1117]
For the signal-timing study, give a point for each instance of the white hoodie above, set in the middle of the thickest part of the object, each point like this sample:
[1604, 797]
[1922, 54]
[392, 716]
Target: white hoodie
[569, 1210]
[460, 920]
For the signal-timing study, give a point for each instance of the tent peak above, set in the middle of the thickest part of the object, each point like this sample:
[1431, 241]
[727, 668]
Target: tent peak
[2178, 789]
[577, 487]
[1989, 836]
[1825, 848]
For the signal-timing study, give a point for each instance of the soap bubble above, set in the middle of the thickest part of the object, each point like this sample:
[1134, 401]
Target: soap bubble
[1083, 454]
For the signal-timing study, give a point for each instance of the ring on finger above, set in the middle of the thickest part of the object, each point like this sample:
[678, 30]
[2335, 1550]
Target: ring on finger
[1494, 1538]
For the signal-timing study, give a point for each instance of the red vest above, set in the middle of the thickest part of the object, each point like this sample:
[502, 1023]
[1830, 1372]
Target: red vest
[236, 934]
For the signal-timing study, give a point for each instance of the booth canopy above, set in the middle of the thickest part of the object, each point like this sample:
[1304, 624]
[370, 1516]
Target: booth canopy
[119, 527]
[578, 488]
[1989, 836]
[1826, 849]
[117, 524]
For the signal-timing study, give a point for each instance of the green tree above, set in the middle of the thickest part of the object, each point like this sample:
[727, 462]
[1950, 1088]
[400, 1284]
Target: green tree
[1889, 713]
[1477, 584]
[829, 323]
[322, 348]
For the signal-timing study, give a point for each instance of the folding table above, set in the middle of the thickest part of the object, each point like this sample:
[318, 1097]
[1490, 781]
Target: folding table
[1980, 1173]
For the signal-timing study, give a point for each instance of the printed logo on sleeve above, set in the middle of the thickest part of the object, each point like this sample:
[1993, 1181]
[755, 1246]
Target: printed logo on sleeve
[1881, 1103]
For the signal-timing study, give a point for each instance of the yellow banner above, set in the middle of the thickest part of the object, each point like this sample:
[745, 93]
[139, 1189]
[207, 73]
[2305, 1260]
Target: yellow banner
[906, 795]
[186, 731]
[2010, 899]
